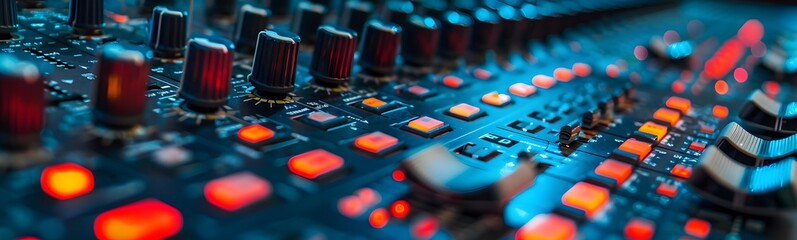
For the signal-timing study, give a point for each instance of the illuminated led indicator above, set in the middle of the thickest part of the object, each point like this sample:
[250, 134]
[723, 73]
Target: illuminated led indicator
[67, 180]
[586, 197]
[368, 196]
[464, 110]
[612, 71]
[452, 81]
[667, 189]
[418, 90]
[668, 116]
[771, 88]
[697, 227]
[751, 32]
[28, 238]
[321, 117]
[563, 74]
[720, 111]
[314, 163]
[548, 227]
[400, 209]
[640, 148]
[425, 124]
[619, 171]
[255, 133]
[373, 102]
[654, 129]
[482, 74]
[496, 99]
[681, 171]
[721, 87]
[678, 87]
[399, 176]
[522, 89]
[145, 219]
[639, 229]
[542, 81]
[740, 75]
[425, 228]
[351, 206]
[379, 218]
[679, 103]
[641, 53]
[236, 191]
[582, 69]
[375, 142]
[697, 146]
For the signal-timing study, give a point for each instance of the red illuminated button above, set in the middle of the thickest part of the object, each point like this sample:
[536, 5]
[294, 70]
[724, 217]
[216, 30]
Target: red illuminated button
[379, 218]
[681, 171]
[654, 129]
[351, 206]
[522, 89]
[376, 105]
[255, 133]
[145, 219]
[720, 111]
[425, 124]
[465, 111]
[482, 74]
[400, 209]
[236, 191]
[324, 120]
[375, 142]
[374, 102]
[542, 81]
[563, 74]
[321, 117]
[315, 163]
[496, 99]
[697, 227]
[453, 82]
[586, 197]
[582, 69]
[667, 189]
[67, 180]
[639, 229]
[707, 129]
[679, 103]
[640, 148]
[619, 171]
[668, 116]
[697, 146]
[419, 92]
[547, 227]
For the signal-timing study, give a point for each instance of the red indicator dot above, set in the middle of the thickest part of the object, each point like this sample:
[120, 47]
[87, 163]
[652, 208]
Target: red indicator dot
[67, 180]
[720, 111]
[721, 87]
[369, 196]
[681, 171]
[582, 69]
[612, 71]
[639, 229]
[640, 52]
[482, 74]
[678, 87]
[399, 176]
[563, 74]
[379, 218]
[697, 227]
[351, 206]
[425, 228]
[771, 87]
[400, 209]
[740, 75]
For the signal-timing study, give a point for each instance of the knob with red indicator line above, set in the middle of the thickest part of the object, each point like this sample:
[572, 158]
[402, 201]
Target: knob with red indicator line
[121, 85]
[168, 32]
[8, 19]
[333, 57]
[274, 66]
[205, 83]
[86, 17]
[21, 104]
[379, 48]
[420, 44]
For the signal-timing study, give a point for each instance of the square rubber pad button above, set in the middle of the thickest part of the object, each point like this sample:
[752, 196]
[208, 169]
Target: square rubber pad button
[237, 191]
[465, 112]
[426, 127]
[315, 163]
[323, 120]
[376, 105]
[376, 142]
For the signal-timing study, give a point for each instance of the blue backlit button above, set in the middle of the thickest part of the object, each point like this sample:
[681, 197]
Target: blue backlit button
[323, 120]
[376, 105]
[419, 92]
[427, 127]
[496, 99]
[465, 112]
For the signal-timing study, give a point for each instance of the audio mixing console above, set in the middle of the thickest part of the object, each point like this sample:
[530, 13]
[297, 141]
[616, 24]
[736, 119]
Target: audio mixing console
[398, 119]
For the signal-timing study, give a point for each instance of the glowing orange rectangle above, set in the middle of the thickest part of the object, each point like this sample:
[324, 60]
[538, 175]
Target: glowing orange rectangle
[375, 142]
[374, 102]
[315, 163]
[549, 227]
[145, 219]
[619, 171]
[464, 110]
[425, 124]
[679, 103]
[654, 129]
[640, 148]
[587, 197]
[667, 115]
[236, 191]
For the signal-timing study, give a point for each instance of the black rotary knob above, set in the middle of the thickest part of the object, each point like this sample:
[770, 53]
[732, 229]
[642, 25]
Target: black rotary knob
[220, 8]
[486, 30]
[86, 17]
[205, 84]
[422, 35]
[148, 5]
[21, 104]
[334, 55]
[168, 32]
[356, 14]
[280, 8]
[399, 11]
[121, 85]
[308, 18]
[511, 27]
[274, 67]
[455, 35]
[8, 19]
[380, 47]
[251, 20]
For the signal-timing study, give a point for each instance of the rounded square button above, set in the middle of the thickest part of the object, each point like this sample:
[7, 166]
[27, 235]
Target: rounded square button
[667, 115]
[522, 89]
[655, 129]
[453, 82]
[586, 197]
[376, 142]
[236, 191]
[496, 99]
[315, 163]
[374, 102]
[679, 103]
[640, 148]
[465, 111]
[425, 124]
[255, 133]
[619, 171]
[145, 219]
[547, 226]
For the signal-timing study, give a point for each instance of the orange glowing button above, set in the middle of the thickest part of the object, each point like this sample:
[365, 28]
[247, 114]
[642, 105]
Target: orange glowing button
[697, 227]
[720, 111]
[452, 81]
[547, 227]
[236, 191]
[619, 171]
[667, 115]
[697, 146]
[654, 129]
[563, 74]
[640, 148]
[681, 171]
[400, 209]
[582, 69]
[679, 103]
[375, 142]
[639, 229]
[321, 117]
[145, 219]
[418, 90]
[586, 197]
[542, 81]
[368, 196]
[374, 102]
[464, 110]
[255, 133]
[425, 124]
[67, 180]
[351, 206]
[482, 74]
[315, 163]
[667, 189]
[496, 99]
[379, 218]
[522, 89]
